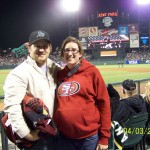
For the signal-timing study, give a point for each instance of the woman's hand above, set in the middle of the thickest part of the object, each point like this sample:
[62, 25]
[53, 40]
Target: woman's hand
[101, 147]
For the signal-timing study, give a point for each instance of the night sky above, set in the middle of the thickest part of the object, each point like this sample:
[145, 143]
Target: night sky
[18, 18]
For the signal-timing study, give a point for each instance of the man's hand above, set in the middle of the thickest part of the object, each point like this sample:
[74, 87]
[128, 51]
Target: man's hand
[101, 147]
[33, 136]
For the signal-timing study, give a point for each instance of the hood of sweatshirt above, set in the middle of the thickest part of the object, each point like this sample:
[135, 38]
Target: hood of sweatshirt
[136, 102]
[85, 65]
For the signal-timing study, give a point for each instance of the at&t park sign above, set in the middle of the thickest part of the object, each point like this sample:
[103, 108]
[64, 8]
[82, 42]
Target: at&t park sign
[109, 14]
[107, 18]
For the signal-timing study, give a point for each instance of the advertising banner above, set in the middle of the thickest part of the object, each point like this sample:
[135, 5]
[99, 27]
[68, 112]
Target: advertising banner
[134, 40]
[84, 32]
[107, 32]
[123, 30]
[133, 28]
[132, 62]
[84, 42]
[88, 31]
[93, 31]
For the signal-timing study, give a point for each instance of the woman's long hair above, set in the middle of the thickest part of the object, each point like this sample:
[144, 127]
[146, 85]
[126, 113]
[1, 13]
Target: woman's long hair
[147, 92]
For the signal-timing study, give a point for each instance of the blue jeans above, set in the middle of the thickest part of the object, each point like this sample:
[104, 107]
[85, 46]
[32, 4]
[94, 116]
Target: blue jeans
[45, 144]
[89, 143]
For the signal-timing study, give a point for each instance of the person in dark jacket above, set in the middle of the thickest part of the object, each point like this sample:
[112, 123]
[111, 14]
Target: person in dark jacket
[131, 104]
[114, 99]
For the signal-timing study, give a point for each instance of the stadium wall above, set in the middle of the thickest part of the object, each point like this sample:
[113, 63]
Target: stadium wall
[99, 61]
[113, 62]
[8, 67]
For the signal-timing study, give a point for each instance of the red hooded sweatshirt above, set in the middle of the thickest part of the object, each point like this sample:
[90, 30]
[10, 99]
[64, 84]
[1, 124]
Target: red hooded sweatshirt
[83, 107]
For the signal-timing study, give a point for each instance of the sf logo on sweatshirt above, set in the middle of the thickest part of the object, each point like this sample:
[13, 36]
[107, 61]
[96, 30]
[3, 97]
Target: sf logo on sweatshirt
[68, 88]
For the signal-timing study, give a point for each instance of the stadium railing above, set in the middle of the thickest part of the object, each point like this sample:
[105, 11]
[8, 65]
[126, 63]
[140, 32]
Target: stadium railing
[138, 83]
[4, 138]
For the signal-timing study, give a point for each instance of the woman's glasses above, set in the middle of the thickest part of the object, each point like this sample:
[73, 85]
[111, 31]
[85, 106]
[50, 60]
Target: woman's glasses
[73, 50]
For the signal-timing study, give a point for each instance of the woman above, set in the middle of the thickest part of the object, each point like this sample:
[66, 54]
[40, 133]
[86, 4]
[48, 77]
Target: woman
[83, 109]
[146, 97]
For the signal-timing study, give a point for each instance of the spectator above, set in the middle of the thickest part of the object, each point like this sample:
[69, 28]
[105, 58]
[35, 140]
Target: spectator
[131, 104]
[35, 76]
[83, 109]
[146, 97]
[114, 99]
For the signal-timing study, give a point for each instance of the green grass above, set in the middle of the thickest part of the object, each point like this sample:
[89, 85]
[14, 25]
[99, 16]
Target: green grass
[110, 73]
[120, 74]
[3, 75]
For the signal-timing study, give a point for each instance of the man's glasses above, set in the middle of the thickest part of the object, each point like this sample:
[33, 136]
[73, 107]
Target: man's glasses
[73, 50]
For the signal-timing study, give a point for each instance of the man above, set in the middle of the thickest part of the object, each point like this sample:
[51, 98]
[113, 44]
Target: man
[131, 104]
[35, 76]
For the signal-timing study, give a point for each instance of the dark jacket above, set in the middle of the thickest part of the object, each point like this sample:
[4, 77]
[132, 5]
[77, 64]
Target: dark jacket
[128, 107]
[114, 99]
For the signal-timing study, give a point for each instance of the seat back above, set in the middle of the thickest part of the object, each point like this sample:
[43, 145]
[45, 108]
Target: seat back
[118, 136]
[111, 145]
[135, 128]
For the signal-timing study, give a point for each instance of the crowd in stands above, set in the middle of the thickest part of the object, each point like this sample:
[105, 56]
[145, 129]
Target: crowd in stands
[9, 59]
[134, 55]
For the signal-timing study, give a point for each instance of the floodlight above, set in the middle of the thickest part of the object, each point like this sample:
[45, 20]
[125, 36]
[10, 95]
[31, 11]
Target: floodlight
[143, 2]
[71, 5]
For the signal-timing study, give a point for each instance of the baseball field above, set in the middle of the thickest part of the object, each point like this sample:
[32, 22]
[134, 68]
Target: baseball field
[110, 73]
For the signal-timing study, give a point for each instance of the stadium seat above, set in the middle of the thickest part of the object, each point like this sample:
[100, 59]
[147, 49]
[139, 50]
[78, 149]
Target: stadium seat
[111, 145]
[135, 127]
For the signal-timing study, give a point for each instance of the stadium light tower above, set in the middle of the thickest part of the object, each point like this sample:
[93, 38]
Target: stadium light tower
[72, 8]
[143, 2]
[71, 5]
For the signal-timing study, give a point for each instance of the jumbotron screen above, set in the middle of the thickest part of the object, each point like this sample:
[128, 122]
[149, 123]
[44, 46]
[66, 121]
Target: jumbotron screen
[108, 53]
